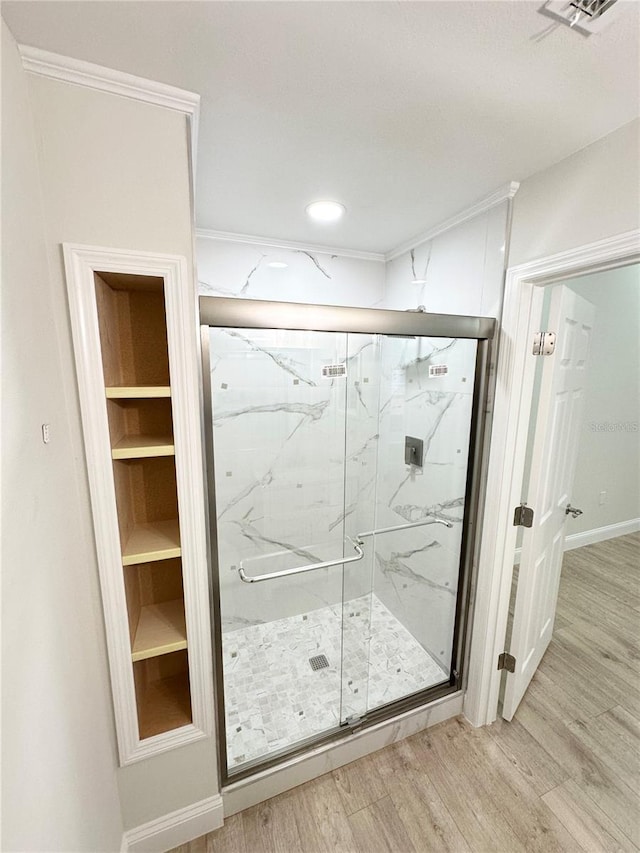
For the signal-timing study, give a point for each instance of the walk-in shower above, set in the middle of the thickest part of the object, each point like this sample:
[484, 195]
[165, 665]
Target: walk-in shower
[342, 445]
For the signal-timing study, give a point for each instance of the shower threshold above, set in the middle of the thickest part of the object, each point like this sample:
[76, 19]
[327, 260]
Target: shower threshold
[274, 699]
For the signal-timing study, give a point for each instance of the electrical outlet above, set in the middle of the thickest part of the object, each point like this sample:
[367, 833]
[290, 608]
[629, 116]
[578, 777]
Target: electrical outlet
[602, 498]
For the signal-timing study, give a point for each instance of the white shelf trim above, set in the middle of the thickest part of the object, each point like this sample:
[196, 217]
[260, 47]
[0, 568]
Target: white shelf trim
[80, 264]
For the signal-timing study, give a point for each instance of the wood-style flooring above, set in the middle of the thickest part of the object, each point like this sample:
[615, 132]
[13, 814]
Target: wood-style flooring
[562, 776]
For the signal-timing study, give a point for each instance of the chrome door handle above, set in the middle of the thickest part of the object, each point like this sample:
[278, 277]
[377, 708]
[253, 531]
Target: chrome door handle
[393, 529]
[299, 569]
[571, 510]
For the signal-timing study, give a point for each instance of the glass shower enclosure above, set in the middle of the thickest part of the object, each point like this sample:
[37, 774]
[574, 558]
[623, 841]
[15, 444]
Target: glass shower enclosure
[343, 448]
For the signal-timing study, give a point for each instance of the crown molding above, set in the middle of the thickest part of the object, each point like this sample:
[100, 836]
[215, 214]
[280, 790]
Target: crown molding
[80, 73]
[70, 70]
[228, 237]
[503, 194]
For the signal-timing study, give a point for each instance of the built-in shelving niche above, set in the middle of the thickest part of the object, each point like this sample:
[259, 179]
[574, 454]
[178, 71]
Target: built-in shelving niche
[134, 335]
[135, 361]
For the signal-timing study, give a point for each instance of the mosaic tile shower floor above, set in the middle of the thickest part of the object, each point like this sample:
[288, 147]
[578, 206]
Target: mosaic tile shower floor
[273, 696]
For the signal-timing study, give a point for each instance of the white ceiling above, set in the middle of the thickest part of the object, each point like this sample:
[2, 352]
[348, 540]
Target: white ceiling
[407, 112]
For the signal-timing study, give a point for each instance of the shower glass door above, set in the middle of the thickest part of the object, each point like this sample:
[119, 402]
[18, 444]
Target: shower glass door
[336, 549]
[279, 455]
[400, 602]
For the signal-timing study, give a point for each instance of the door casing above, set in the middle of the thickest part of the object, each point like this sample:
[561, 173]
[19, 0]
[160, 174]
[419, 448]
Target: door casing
[524, 292]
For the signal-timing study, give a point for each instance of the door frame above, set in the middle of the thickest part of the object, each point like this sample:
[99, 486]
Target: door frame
[217, 311]
[524, 291]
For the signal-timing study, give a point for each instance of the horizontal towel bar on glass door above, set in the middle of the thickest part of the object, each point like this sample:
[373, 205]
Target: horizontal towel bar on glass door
[403, 527]
[299, 569]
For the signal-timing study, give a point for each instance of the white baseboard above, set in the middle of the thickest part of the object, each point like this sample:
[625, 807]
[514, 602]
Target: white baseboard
[175, 828]
[590, 537]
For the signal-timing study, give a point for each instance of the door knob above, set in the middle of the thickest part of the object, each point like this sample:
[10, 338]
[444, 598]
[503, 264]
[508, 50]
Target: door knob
[571, 510]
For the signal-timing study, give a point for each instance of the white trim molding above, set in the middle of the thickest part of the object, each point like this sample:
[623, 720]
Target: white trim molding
[92, 76]
[596, 534]
[601, 534]
[176, 828]
[505, 193]
[514, 389]
[81, 262]
[229, 237]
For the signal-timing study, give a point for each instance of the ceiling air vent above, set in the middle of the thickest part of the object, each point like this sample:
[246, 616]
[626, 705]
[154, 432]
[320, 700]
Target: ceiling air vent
[585, 16]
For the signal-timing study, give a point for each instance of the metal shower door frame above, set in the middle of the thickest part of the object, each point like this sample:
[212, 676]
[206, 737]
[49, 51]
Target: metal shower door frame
[226, 312]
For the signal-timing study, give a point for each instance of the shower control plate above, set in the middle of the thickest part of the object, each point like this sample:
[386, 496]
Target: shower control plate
[413, 451]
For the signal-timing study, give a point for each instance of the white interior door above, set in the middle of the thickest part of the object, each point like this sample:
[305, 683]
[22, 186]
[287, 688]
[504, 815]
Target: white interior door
[553, 462]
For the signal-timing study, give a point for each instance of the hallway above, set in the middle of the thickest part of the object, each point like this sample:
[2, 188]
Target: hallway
[562, 776]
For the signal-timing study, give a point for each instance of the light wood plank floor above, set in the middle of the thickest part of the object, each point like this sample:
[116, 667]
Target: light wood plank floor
[562, 776]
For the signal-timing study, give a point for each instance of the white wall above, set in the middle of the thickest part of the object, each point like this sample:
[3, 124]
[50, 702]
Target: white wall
[609, 454]
[59, 787]
[590, 195]
[114, 173]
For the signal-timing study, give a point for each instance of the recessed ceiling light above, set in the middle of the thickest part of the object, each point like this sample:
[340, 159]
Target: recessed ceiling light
[325, 211]
[277, 265]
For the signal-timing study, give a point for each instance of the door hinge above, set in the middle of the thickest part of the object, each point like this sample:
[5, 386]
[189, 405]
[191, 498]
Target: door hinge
[523, 516]
[507, 661]
[544, 343]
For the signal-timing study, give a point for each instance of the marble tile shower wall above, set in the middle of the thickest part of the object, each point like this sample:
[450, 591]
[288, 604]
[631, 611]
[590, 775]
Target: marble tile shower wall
[459, 272]
[416, 571]
[279, 468]
[292, 484]
[242, 270]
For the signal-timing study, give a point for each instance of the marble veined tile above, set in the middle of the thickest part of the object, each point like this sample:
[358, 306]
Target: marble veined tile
[275, 699]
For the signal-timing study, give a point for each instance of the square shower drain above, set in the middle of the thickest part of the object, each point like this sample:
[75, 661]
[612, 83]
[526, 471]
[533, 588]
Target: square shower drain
[318, 662]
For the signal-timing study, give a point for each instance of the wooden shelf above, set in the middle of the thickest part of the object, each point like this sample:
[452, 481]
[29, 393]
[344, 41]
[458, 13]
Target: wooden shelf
[164, 705]
[159, 540]
[151, 583]
[161, 630]
[141, 446]
[122, 392]
[133, 329]
[140, 422]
